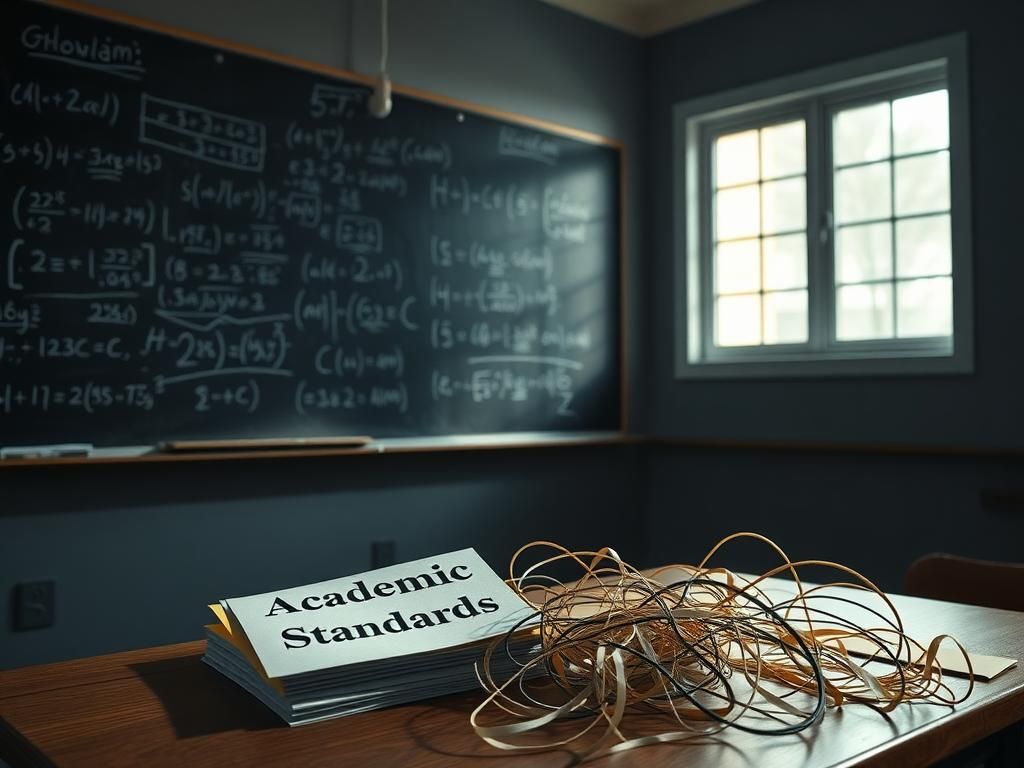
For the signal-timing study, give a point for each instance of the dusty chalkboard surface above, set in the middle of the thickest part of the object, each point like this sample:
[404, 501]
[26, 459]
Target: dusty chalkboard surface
[203, 244]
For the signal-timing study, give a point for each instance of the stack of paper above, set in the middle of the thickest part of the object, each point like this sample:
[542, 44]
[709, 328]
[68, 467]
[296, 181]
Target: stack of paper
[370, 640]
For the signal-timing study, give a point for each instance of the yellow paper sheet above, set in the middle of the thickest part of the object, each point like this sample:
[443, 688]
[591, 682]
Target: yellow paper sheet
[984, 667]
[234, 635]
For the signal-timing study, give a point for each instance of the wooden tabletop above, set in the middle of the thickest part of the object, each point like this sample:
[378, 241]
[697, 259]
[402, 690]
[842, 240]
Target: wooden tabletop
[163, 707]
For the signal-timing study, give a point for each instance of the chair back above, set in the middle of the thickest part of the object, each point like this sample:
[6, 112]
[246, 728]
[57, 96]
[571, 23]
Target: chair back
[966, 580]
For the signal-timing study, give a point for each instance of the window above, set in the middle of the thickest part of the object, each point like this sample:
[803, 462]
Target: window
[826, 224]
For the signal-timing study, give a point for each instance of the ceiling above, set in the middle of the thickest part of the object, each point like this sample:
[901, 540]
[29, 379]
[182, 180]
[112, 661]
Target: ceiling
[648, 17]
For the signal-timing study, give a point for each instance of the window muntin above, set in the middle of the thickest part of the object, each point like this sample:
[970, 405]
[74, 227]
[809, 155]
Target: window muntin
[893, 244]
[760, 235]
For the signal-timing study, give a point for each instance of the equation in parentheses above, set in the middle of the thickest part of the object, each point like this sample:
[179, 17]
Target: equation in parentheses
[12, 254]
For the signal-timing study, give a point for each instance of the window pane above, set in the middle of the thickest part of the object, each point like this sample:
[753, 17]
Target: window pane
[738, 267]
[864, 253]
[864, 312]
[863, 193]
[785, 205]
[925, 307]
[783, 150]
[924, 246]
[785, 262]
[862, 134]
[921, 122]
[736, 159]
[785, 317]
[922, 184]
[738, 321]
[737, 213]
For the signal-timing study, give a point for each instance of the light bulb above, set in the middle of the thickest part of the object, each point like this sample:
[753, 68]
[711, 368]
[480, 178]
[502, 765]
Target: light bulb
[380, 99]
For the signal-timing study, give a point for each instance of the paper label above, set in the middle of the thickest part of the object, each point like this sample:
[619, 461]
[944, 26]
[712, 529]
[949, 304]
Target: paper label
[415, 607]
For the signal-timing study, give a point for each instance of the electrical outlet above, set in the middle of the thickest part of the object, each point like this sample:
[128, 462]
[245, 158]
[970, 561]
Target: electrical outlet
[34, 605]
[382, 553]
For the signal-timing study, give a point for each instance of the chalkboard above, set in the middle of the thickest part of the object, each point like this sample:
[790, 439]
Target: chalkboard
[200, 242]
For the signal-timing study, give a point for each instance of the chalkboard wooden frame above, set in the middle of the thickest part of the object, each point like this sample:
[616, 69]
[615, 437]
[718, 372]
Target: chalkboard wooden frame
[434, 443]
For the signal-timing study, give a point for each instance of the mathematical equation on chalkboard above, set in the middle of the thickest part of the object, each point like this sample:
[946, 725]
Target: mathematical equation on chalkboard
[182, 258]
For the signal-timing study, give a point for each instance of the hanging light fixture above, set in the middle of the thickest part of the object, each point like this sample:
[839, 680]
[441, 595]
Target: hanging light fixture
[380, 100]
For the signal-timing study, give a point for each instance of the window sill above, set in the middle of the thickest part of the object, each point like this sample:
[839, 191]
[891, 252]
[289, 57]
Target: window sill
[834, 366]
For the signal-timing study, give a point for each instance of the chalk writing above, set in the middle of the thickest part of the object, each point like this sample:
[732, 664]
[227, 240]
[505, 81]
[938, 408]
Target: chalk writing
[197, 245]
[529, 144]
[232, 142]
[97, 53]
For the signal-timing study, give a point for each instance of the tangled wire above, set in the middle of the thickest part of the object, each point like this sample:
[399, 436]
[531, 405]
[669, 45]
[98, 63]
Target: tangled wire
[704, 647]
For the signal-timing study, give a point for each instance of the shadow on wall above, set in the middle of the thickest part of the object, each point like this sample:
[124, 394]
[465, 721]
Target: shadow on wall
[875, 513]
[52, 490]
[137, 551]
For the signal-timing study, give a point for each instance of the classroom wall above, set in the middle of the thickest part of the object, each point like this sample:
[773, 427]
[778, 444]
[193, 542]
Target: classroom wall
[138, 550]
[874, 512]
[877, 511]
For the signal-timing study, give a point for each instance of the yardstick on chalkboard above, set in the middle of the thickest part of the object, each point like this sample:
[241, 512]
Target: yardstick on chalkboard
[266, 443]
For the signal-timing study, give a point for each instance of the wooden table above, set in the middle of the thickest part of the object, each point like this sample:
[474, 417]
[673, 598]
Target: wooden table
[163, 707]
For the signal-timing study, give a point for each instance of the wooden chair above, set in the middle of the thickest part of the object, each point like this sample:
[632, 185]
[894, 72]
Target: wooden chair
[976, 582]
[965, 580]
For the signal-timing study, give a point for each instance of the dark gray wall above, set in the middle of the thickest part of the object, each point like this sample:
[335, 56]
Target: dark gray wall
[781, 37]
[874, 511]
[138, 550]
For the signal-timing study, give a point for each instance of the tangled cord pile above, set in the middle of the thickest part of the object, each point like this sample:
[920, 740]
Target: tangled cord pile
[703, 646]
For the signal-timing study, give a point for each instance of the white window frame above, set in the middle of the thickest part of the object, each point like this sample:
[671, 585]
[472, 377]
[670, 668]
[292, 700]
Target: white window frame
[813, 96]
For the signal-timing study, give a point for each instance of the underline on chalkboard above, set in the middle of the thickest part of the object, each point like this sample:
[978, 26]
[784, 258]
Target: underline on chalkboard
[258, 168]
[204, 135]
[559, 361]
[120, 70]
[162, 380]
[181, 318]
[275, 258]
[526, 155]
[110, 295]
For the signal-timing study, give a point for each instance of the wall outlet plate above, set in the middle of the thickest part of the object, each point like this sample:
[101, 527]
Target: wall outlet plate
[382, 553]
[34, 605]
